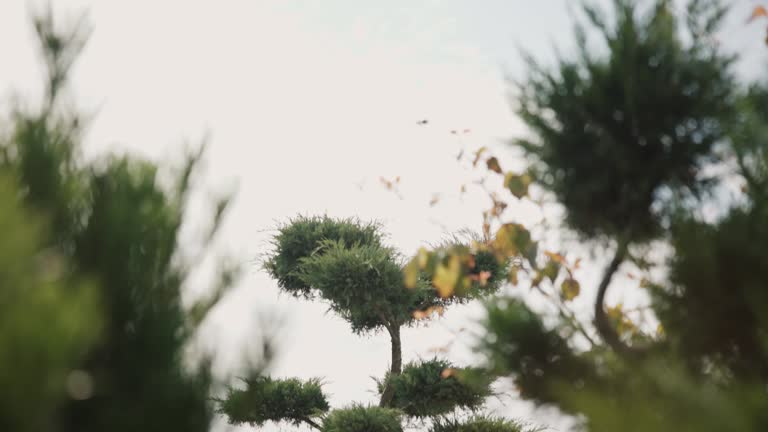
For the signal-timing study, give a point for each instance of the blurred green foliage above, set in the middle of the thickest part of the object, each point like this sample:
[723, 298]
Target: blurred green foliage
[648, 115]
[93, 332]
[48, 319]
[627, 140]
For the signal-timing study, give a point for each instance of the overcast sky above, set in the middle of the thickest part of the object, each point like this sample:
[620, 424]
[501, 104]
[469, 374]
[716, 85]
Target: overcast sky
[308, 104]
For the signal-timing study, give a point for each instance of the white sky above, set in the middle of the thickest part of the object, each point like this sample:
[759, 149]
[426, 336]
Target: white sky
[307, 105]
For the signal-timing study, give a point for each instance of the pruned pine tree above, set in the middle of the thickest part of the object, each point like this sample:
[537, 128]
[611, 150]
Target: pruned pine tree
[346, 264]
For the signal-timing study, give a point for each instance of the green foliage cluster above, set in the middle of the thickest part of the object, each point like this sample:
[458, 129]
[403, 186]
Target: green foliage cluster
[518, 341]
[266, 399]
[719, 271]
[346, 263]
[603, 111]
[302, 237]
[360, 418]
[478, 424]
[91, 312]
[434, 387]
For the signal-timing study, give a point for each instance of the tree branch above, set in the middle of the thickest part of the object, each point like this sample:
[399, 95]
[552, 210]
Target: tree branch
[396, 367]
[567, 314]
[311, 422]
[604, 328]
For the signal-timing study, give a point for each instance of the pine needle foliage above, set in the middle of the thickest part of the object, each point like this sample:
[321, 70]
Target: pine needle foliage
[266, 399]
[478, 424]
[361, 418]
[435, 387]
[302, 237]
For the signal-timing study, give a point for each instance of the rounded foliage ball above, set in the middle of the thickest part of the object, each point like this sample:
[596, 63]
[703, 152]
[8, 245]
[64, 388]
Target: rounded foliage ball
[360, 418]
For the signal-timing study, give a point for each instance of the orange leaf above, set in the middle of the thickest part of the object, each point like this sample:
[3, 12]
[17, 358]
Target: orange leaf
[493, 165]
[481, 277]
[757, 12]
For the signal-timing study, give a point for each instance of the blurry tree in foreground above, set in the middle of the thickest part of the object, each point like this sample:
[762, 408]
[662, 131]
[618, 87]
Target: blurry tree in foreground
[92, 329]
[346, 264]
[638, 141]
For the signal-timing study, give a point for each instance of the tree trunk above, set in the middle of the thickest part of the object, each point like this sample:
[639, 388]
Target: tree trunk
[396, 368]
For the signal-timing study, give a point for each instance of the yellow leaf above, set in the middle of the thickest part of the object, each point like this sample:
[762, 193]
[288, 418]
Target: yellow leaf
[411, 275]
[614, 312]
[517, 184]
[556, 257]
[447, 276]
[493, 165]
[570, 289]
[423, 258]
[511, 239]
[551, 270]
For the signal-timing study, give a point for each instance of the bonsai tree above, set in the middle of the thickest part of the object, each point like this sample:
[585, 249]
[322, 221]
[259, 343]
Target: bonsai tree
[346, 264]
